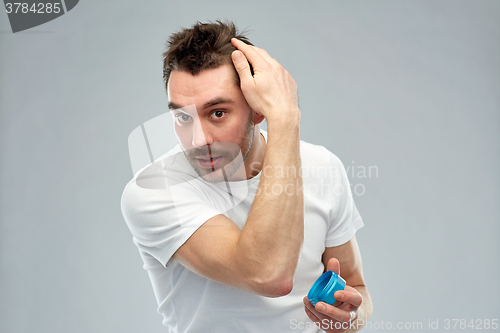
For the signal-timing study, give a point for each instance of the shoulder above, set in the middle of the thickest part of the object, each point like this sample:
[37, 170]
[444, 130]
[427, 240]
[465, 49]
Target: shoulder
[319, 156]
[150, 185]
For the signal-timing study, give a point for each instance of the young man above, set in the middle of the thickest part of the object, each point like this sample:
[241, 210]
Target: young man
[235, 224]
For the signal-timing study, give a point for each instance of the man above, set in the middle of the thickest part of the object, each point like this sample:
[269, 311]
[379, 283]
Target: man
[235, 224]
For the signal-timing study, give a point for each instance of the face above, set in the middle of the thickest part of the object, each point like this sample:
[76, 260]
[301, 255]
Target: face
[213, 122]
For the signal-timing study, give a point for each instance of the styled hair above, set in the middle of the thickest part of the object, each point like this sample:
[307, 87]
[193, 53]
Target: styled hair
[203, 46]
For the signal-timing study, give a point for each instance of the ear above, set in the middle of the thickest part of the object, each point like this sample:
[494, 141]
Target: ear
[257, 118]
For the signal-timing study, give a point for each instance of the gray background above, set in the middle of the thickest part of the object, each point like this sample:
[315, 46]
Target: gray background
[411, 87]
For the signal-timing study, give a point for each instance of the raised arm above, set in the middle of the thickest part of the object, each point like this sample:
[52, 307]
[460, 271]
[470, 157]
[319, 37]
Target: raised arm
[262, 257]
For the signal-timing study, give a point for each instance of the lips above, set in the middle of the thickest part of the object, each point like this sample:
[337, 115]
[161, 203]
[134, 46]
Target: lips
[208, 163]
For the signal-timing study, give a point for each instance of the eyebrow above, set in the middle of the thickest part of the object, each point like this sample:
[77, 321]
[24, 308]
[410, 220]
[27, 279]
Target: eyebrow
[215, 101]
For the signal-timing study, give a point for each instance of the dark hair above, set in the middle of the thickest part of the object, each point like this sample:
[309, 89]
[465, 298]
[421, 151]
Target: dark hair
[203, 46]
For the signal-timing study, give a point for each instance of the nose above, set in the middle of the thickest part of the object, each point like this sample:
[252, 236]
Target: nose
[200, 136]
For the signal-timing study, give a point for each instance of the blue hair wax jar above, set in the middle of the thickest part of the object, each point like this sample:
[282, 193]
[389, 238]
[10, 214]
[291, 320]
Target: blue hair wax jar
[324, 288]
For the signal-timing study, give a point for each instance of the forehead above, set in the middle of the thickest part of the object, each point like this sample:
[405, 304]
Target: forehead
[186, 89]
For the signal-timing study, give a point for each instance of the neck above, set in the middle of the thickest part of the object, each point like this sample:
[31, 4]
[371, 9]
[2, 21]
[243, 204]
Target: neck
[255, 159]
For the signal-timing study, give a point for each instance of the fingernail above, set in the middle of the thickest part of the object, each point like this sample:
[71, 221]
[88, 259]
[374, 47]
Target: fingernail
[320, 307]
[339, 296]
[237, 55]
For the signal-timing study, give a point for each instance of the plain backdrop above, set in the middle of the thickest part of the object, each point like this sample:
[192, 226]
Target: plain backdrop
[409, 88]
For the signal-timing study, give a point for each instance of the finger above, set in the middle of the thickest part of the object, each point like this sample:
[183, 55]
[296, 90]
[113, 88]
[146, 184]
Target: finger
[309, 307]
[250, 53]
[333, 265]
[333, 312]
[270, 60]
[242, 68]
[312, 316]
[263, 53]
[350, 297]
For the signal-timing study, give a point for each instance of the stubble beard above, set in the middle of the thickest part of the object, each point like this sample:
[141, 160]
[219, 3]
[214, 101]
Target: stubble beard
[235, 156]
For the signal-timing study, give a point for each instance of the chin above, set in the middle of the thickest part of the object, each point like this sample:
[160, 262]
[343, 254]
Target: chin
[230, 172]
[212, 177]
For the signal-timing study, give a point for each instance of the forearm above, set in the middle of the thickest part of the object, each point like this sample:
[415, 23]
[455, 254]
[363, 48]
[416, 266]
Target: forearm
[270, 242]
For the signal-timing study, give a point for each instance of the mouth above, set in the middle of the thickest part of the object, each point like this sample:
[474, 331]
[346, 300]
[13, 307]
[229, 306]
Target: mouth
[207, 162]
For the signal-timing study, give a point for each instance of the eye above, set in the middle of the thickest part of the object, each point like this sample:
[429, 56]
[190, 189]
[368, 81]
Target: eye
[182, 119]
[217, 114]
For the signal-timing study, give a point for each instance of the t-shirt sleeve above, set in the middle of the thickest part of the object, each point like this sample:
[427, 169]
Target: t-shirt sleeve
[344, 217]
[160, 223]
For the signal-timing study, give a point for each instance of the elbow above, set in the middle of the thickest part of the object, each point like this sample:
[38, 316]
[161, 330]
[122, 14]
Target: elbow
[273, 288]
[283, 288]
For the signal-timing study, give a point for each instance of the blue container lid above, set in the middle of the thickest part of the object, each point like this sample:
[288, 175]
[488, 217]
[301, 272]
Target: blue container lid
[324, 288]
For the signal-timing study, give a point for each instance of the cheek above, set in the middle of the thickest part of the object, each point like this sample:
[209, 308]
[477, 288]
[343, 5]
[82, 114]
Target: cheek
[183, 135]
[229, 134]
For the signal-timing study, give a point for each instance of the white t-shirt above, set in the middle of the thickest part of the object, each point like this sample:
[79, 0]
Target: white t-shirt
[166, 202]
